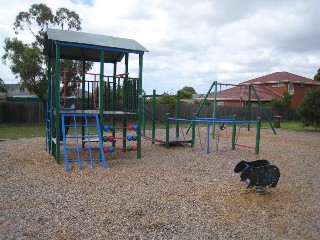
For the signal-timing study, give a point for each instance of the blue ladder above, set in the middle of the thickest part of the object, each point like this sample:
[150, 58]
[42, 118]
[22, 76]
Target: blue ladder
[81, 128]
[48, 118]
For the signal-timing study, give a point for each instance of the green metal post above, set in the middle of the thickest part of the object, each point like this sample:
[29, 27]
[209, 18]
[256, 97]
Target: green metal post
[193, 136]
[114, 99]
[202, 103]
[101, 102]
[249, 107]
[125, 83]
[57, 103]
[234, 131]
[140, 110]
[167, 130]
[124, 133]
[52, 97]
[153, 131]
[83, 82]
[214, 108]
[49, 108]
[263, 109]
[258, 136]
[144, 116]
[177, 113]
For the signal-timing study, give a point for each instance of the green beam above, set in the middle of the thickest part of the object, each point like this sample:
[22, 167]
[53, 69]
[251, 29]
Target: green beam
[153, 131]
[234, 131]
[140, 110]
[249, 107]
[57, 103]
[214, 108]
[101, 102]
[264, 110]
[167, 130]
[177, 113]
[202, 103]
[258, 136]
[114, 99]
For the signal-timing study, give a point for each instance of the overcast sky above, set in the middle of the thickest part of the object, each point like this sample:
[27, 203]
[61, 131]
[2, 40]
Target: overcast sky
[195, 42]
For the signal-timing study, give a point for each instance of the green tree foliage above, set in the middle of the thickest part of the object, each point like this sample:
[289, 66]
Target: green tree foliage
[309, 109]
[26, 59]
[189, 90]
[207, 102]
[184, 94]
[3, 88]
[167, 99]
[317, 76]
[284, 102]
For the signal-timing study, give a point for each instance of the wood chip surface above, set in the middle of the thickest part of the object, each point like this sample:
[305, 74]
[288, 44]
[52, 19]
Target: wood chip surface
[175, 193]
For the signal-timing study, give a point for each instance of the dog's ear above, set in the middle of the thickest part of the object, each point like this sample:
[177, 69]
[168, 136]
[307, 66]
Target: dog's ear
[240, 166]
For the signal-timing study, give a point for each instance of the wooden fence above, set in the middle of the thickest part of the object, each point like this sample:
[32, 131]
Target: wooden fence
[22, 113]
[34, 112]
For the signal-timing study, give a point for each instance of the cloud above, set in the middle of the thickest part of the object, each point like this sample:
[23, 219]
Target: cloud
[193, 43]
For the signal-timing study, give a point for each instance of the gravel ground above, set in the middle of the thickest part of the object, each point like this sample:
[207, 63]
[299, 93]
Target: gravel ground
[175, 193]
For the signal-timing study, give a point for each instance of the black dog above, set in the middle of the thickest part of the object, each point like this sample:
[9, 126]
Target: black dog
[260, 173]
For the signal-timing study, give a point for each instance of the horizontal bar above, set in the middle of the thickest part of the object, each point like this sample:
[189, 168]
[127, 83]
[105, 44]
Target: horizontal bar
[211, 121]
[246, 146]
[82, 45]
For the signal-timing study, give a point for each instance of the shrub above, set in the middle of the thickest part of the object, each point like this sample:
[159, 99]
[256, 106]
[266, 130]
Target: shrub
[309, 109]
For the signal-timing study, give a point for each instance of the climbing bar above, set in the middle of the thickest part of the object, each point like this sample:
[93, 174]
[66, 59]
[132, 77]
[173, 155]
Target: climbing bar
[122, 74]
[112, 138]
[132, 127]
[246, 146]
[112, 149]
[211, 121]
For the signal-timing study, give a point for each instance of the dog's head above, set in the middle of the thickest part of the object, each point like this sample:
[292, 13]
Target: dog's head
[240, 166]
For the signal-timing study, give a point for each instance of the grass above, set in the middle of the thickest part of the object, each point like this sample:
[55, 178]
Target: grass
[293, 126]
[22, 131]
[31, 131]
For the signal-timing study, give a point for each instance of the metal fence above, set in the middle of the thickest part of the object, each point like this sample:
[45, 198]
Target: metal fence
[34, 112]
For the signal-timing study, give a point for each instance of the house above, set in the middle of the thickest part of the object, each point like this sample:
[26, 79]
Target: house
[268, 87]
[14, 93]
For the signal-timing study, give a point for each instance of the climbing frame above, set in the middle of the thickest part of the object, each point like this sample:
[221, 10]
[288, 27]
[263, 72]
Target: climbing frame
[82, 139]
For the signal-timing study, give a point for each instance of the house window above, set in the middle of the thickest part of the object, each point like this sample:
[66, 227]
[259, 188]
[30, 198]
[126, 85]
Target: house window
[278, 84]
[291, 88]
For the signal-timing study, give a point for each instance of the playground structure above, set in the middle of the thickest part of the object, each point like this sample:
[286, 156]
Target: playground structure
[97, 97]
[233, 121]
[213, 121]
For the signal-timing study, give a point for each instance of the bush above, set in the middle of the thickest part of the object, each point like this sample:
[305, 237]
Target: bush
[284, 102]
[309, 109]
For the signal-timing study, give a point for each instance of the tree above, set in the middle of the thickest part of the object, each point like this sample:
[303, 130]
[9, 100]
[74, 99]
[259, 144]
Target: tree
[3, 88]
[184, 94]
[284, 102]
[189, 90]
[317, 76]
[309, 109]
[26, 59]
[167, 99]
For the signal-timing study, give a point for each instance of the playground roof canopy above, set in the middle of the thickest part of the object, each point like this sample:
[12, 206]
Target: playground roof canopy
[87, 46]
